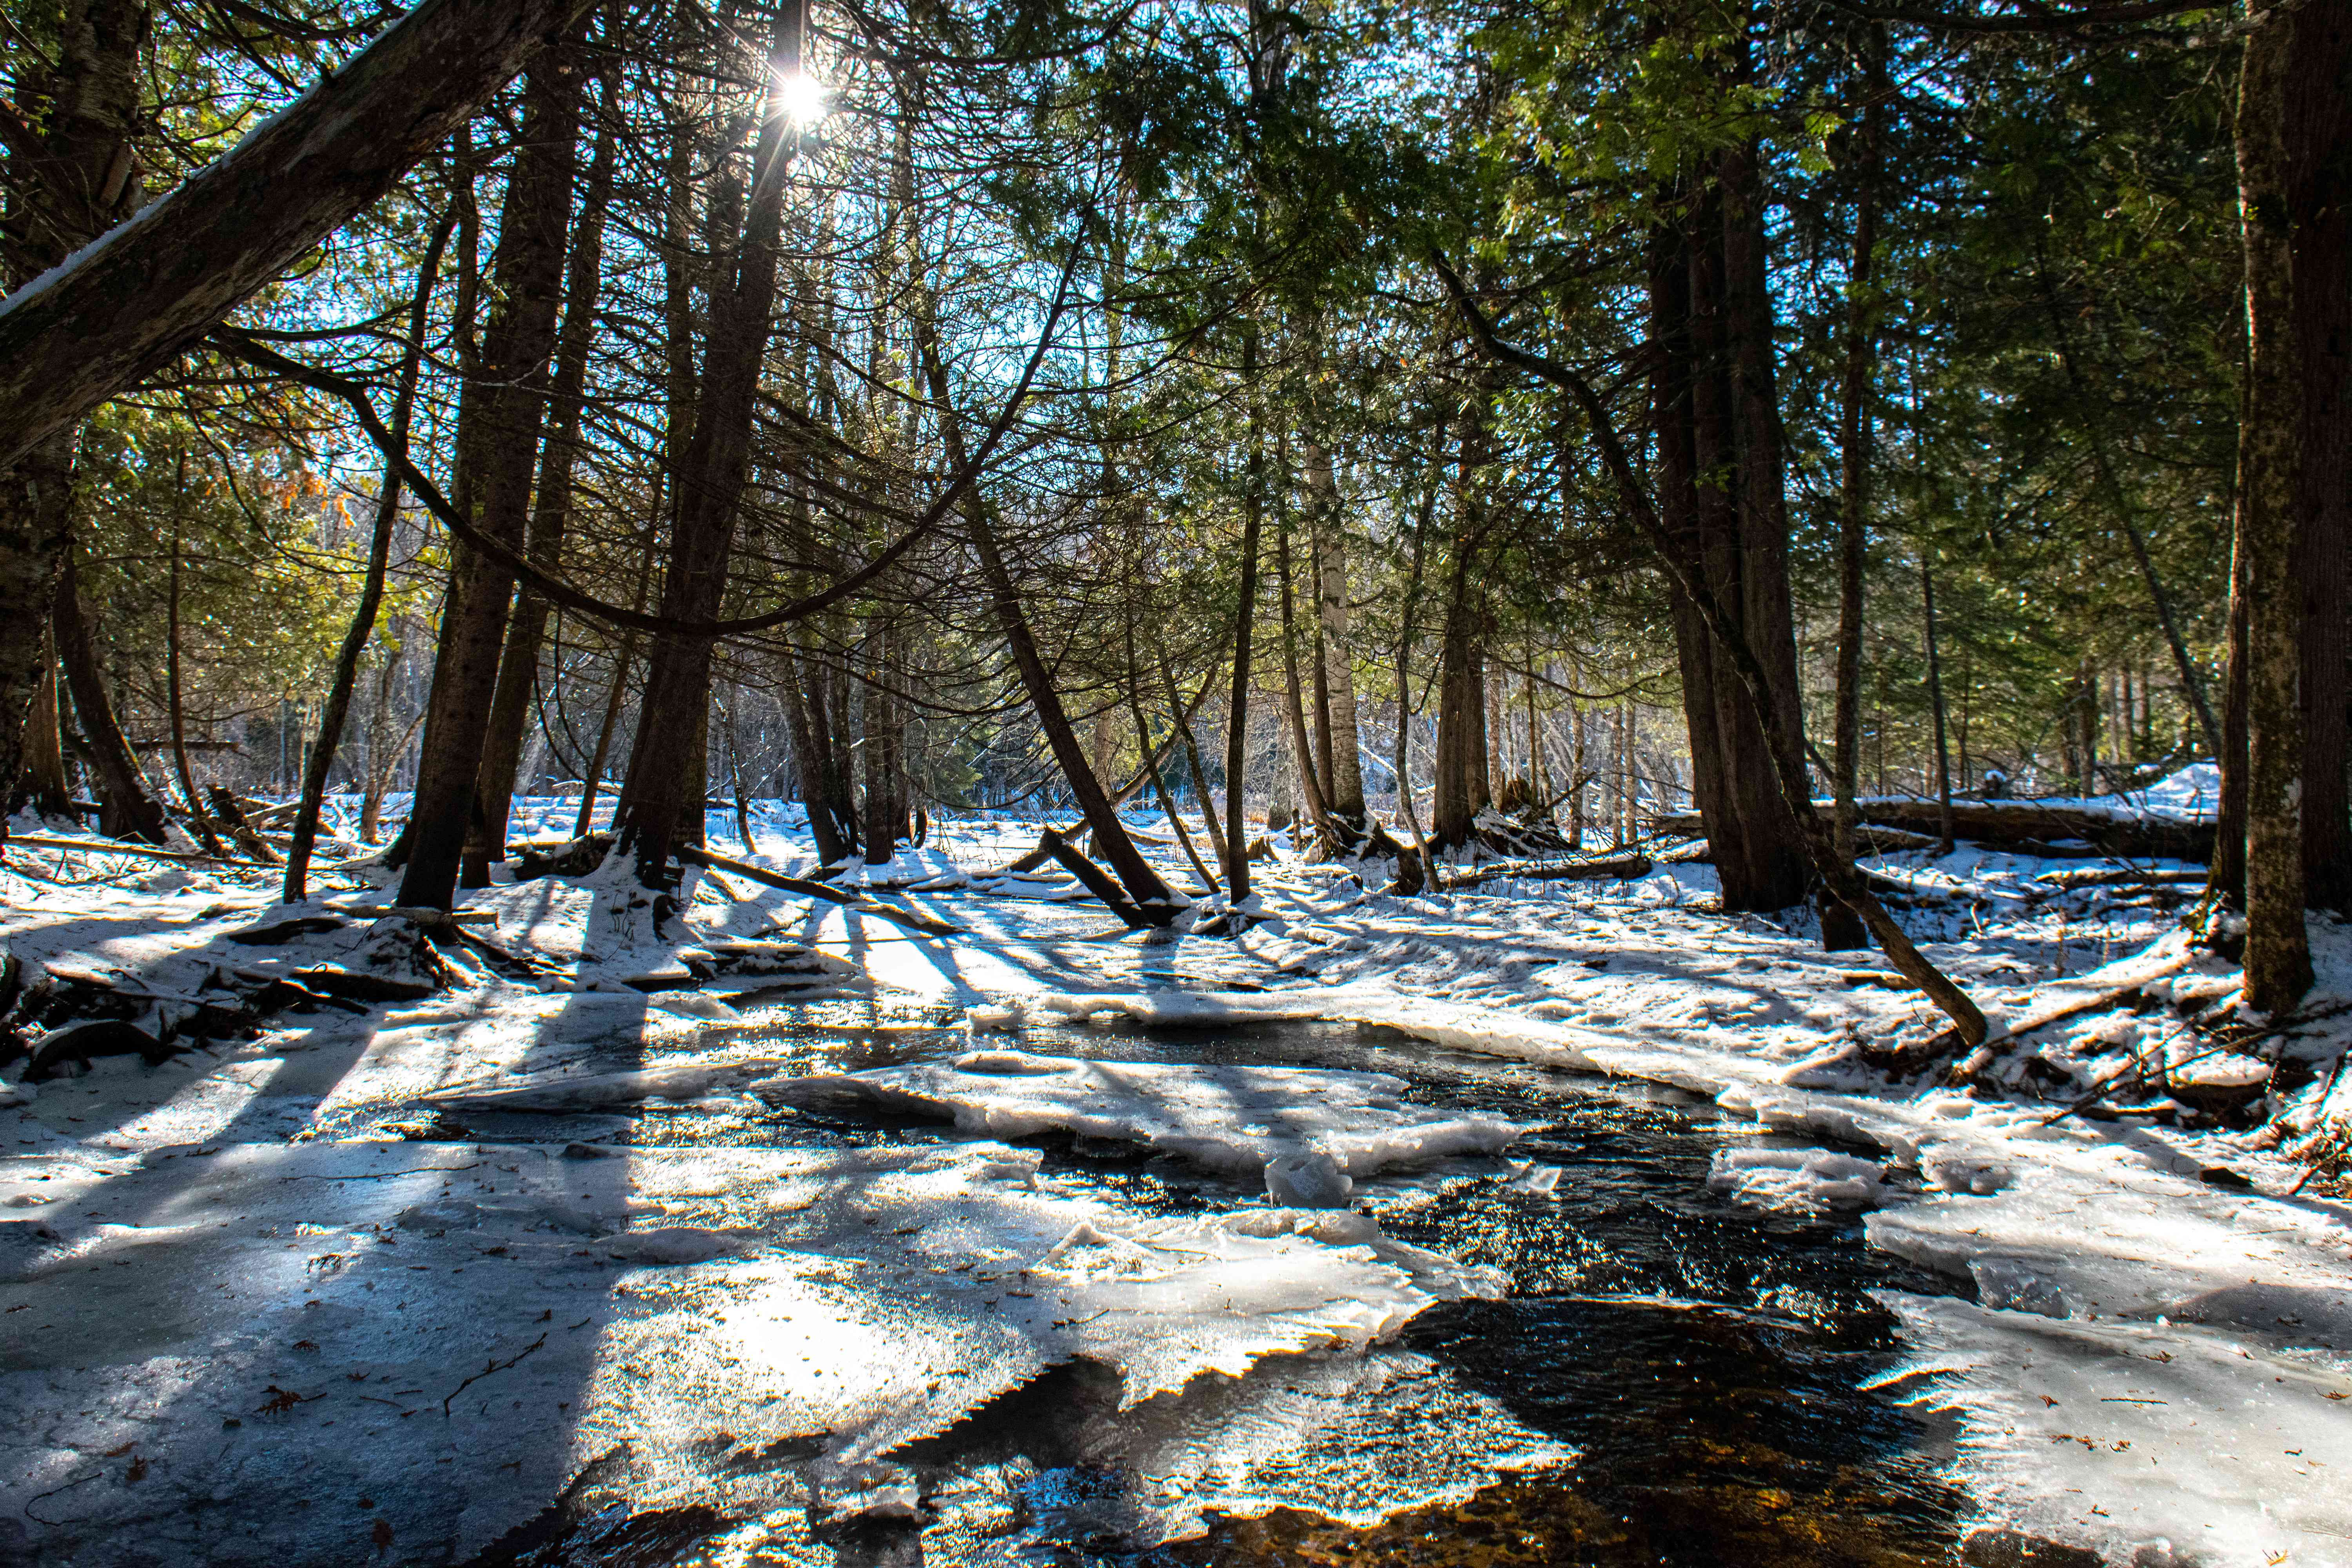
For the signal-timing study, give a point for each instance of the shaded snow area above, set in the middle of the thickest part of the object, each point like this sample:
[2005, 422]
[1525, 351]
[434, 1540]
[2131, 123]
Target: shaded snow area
[752, 1217]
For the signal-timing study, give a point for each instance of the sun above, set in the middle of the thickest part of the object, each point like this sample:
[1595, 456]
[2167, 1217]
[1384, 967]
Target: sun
[799, 97]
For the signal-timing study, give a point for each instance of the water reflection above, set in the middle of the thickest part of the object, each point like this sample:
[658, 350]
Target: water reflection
[1688, 1373]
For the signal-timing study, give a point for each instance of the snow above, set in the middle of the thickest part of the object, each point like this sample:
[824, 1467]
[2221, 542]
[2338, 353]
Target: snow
[695, 1289]
[1798, 1181]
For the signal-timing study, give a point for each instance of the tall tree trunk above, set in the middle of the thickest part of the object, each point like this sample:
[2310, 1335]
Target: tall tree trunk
[363, 627]
[551, 510]
[1151, 895]
[499, 422]
[79, 179]
[1776, 842]
[128, 808]
[42, 780]
[383, 756]
[2278, 953]
[1461, 788]
[1407, 630]
[1460, 792]
[1344, 790]
[716, 464]
[1237, 870]
[174, 710]
[2319, 117]
[1302, 753]
[886, 818]
[1841, 927]
[812, 759]
[1936, 709]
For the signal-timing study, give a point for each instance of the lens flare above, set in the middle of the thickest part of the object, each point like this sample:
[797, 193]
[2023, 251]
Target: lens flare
[800, 97]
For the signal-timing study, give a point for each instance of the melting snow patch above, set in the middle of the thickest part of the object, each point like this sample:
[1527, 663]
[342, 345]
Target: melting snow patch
[1796, 1181]
[1226, 1119]
[2146, 1443]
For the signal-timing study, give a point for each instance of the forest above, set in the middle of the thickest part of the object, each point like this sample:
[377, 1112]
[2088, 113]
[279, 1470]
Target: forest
[624, 579]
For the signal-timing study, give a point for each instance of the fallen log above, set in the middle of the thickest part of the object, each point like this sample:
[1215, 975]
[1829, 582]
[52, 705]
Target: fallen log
[1029, 862]
[231, 815]
[107, 847]
[2122, 876]
[1617, 868]
[2018, 826]
[1098, 882]
[694, 854]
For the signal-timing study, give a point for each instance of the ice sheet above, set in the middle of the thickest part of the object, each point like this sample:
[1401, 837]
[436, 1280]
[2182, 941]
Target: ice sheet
[284, 1326]
[2153, 1445]
[1229, 1119]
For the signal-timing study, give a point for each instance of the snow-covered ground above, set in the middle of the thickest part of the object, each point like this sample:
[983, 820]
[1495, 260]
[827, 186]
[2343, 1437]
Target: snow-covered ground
[206, 1264]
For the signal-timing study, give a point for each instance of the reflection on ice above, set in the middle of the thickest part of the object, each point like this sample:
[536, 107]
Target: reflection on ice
[1229, 1119]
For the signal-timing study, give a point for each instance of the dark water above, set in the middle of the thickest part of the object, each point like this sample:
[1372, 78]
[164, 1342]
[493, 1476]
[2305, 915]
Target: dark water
[1702, 1363]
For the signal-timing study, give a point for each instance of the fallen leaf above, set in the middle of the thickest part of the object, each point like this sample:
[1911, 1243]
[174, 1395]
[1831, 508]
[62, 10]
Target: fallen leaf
[137, 1472]
[380, 1534]
[306, 1344]
[118, 1453]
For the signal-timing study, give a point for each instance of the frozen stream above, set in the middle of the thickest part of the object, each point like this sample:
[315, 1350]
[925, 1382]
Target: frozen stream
[1668, 1379]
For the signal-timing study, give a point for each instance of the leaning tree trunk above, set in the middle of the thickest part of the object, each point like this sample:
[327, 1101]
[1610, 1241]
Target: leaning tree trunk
[1150, 894]
[2278, 952]
[42, 782]
[128, 809]
[675, 709]
[355, 640]
[498, 423]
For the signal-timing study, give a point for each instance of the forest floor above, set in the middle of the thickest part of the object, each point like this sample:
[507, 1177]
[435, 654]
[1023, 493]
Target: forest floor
[326, 1295]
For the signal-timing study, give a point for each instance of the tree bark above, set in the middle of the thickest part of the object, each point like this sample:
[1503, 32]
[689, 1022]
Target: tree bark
[1302, 753]
[717, 463]
[551, 508]
[1150, 893]
[355, 640]
[2319, 117]
[128, 807]
[2278, 953]
[1936, 709]
[1345, 796]
[498, 420]
[129, 304]
[175, 712]
[1841, 927]
[1237, 868]
[77, 177]
[42, 757]
[886, 812]
[1776, 844]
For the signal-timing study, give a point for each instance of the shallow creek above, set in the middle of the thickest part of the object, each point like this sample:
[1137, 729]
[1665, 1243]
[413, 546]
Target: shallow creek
[1682, 1378]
